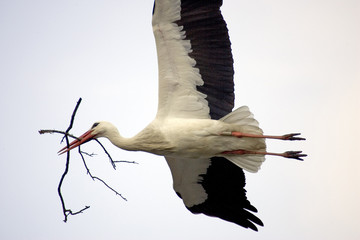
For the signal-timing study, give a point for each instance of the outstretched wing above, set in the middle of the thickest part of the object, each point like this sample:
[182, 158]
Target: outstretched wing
[194, 59]
[196, 81]
[214, 187]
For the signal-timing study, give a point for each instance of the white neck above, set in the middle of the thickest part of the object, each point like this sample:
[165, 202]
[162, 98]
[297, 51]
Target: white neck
[147, 140]
[115, 138]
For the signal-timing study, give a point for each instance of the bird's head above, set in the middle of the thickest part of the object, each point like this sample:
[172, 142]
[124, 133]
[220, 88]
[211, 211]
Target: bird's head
[98, 129]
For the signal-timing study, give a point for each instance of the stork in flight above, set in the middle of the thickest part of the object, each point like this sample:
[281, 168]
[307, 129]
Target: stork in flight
[205, 143]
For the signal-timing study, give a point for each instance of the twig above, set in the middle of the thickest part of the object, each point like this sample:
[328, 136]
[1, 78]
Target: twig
[66, 136]
[124, 161]
[66, 211]
[96, 178]
[88, 154]
[111, 160]
[51, 131]
[72, 121]
[69, 212]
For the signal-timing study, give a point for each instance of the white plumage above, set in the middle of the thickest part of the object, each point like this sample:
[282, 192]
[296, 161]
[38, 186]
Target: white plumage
[205, 144]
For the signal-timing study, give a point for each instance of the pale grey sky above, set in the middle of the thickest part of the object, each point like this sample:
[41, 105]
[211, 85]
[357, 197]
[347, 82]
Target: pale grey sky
[297, 67]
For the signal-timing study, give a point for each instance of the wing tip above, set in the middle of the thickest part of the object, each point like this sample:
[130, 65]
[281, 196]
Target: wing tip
[241, 217]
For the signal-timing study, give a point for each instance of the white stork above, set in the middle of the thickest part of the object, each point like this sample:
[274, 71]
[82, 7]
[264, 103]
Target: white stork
[205, 143]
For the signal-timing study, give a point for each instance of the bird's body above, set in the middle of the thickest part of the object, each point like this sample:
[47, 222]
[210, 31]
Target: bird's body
[190, 138]
[205, 143]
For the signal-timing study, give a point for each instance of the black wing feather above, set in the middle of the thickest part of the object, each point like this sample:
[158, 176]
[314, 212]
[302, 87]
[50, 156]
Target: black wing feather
[206, 29]
[224, 182]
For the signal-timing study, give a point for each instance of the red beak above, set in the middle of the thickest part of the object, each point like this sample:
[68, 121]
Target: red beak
[82, 139]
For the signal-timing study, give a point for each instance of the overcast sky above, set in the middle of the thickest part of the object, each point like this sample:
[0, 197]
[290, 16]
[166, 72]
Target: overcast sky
[297, 66]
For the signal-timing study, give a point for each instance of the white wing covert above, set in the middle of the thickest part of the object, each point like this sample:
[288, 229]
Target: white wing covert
[178, 76]
[196, 81]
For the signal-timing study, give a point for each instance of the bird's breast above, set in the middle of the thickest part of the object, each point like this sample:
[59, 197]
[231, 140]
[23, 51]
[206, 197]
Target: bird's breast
[192, 138]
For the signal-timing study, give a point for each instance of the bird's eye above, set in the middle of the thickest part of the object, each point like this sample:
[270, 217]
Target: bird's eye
[95, 124]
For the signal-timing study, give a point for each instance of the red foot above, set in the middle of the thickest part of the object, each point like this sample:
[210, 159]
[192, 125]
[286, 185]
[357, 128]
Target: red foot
[294, 154]
[291, 137]
[289, 154]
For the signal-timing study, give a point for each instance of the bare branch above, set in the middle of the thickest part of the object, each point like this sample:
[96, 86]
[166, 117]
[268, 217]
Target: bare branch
[72, 121]
[43, 131]
[110, 158]
[88, 154]
[66, 211]
[124, 161]
[96, 178]
[69, 212]
[66, 136]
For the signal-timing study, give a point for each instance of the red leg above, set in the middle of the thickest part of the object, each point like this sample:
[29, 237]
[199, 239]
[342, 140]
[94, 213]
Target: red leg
[291, 136]
[289, 154]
